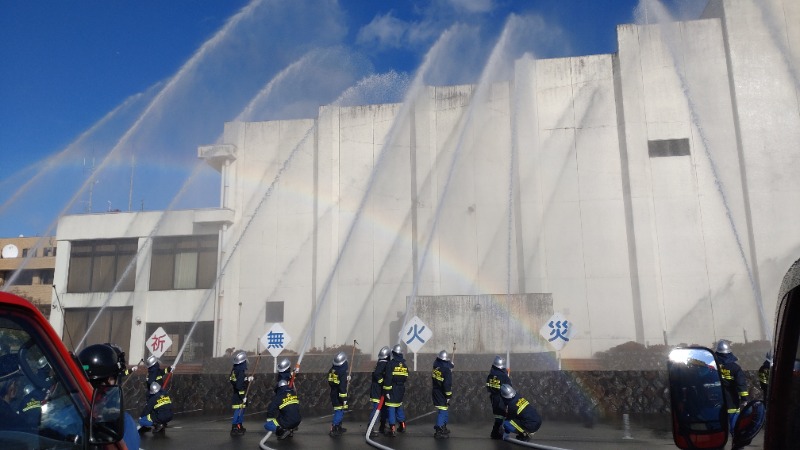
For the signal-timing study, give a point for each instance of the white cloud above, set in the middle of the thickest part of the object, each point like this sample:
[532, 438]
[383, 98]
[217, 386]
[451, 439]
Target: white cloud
[472, 6]
[384, 31]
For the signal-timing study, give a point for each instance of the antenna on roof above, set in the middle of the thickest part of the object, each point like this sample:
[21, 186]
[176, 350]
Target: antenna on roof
[130, 191]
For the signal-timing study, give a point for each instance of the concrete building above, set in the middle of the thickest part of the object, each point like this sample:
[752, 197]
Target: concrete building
[27, 267]
[648, 195]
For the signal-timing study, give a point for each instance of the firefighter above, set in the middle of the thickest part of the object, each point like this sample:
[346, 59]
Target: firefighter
[376, 388]
[239, 381]
[155, 374]
[104, 365]
[441, 391]
[337, 380]
[734, 383]
[498, 376]
[157, 411]
[522, 417]
[283, 412]
[284, 371]
[763, 376]
[394, 379]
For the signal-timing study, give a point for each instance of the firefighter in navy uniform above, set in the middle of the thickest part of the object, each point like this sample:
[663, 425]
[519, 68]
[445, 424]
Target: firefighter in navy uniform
[239, 381]
[284, 371]
[104, 365]
[157, 412]
[498, 376]
[283, 412]
[763, 376]
[441, 391]
[734, 383]
[376, 388]
[155, 374]
[394, 380]
[522, 417]
[337, 380]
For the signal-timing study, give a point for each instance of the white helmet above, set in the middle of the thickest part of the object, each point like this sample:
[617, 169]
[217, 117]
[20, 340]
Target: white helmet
[339, 359]
[281, 383]
[151, 361]
[507, 391]
[154, 387]
[239, 357]
[284, 365]
[443, 355]
[397, 350]
[499, 362]
[383, 353]
[723, 347]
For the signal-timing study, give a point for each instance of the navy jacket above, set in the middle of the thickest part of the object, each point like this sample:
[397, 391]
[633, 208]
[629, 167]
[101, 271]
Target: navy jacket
[285, 407]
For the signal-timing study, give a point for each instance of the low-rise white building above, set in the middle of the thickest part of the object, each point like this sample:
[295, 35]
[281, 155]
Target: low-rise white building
[648, 195]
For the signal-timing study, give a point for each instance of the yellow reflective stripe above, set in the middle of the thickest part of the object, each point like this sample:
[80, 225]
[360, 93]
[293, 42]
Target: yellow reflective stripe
[443, 408]
[517, 427]
[743, 394]
[733, 410]
[275, 421]
[522, 404]
[393, 404]
[162, 401]
[387, 388]
[375, 400]
[290, 402]
[239, 406]
[342, 395]
[448, 394]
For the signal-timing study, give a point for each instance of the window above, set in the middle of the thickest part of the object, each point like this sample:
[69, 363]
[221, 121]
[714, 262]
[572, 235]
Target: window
[36, 401]
[99, 266]
[668, 147]
[274, 312]
[183, 262]
[113, 325]
[198, 348]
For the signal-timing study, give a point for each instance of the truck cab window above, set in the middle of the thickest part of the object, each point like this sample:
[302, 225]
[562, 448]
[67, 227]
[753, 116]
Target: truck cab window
[36, 408]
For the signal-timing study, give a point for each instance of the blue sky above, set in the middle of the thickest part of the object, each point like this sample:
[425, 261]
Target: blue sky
[99, 96]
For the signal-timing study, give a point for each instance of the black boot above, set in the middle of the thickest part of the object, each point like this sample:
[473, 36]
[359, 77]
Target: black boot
[401, 427]
[237, 430]
[445, 430]
[391, 431]
[496, 432]
[282, 433]
[336, 431]
[524, 436]
[439, 433]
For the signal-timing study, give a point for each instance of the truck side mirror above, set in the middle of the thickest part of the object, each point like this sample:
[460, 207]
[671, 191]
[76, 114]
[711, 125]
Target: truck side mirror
[107, 424]
[699, 419]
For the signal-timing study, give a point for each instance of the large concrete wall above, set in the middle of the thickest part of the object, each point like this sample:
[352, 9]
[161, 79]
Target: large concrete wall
[415, 200]
[541, 185]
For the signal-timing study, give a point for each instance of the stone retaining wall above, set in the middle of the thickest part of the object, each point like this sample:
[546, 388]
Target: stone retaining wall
[584, 396]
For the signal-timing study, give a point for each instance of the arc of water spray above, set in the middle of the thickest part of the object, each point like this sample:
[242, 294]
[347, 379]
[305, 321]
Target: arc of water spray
[695, 120]
[190, 65]
[235, 245]
[414, 91]
[479, 94]
[147, 242]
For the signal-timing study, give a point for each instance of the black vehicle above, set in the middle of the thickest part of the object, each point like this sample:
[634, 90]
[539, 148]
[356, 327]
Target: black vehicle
[699, 416]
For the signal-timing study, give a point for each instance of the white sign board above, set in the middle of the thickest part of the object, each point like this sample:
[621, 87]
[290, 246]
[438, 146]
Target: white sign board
[416, 334]
[158, 342]
[275, 340]
[557, 331]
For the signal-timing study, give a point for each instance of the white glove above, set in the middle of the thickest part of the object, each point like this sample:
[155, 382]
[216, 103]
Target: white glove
[244, 400]
[250, 378]
[297, 369]
[349, 377]
[388, 396]
[133, 369]
[171, 368]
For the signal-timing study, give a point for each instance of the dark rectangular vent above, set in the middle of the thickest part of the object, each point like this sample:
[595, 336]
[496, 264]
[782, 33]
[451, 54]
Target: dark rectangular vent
[668, 147]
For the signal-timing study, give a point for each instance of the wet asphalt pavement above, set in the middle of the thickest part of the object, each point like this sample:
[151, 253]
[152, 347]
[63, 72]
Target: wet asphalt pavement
[214, 432]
